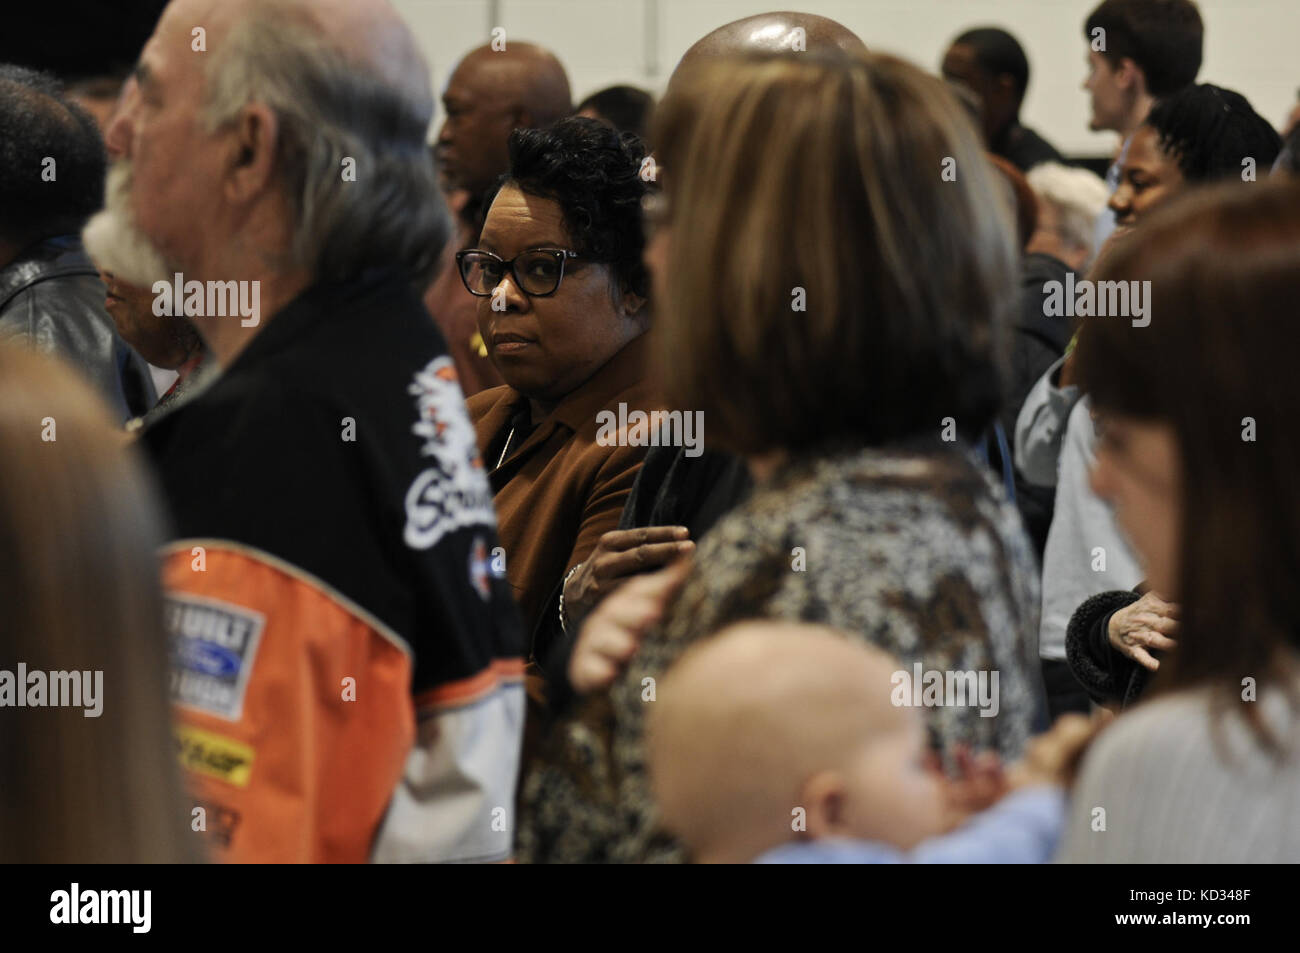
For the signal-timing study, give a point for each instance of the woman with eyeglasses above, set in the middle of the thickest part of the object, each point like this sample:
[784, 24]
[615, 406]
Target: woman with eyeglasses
[563, 310]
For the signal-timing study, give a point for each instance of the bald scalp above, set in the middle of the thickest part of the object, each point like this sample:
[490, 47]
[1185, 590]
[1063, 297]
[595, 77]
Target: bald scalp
[745, 718]
[523, 76]
[775, 33]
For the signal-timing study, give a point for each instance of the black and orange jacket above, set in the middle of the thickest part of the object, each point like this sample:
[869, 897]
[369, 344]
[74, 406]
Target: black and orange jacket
[346, 663]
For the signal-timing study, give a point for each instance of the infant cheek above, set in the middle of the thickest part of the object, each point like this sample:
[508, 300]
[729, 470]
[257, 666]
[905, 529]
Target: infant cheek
[927, 807]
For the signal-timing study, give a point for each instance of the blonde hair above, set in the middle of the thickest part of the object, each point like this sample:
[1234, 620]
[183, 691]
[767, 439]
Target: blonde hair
[80, 588]
[825, 177]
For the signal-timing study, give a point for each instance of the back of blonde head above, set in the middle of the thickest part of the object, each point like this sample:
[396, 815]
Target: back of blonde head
[80, 590]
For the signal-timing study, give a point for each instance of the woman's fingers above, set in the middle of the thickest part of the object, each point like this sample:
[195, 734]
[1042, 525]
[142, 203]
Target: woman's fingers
[621, 540]
[640, 558]
[1159, 606]
[1140, 655]
[1156, 623]
[1154, 640]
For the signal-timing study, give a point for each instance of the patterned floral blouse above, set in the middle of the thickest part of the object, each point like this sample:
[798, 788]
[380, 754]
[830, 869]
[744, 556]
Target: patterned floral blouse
[914, 550]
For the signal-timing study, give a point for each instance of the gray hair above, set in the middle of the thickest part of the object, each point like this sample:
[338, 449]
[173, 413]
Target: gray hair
[331, 109]
[1079, 197]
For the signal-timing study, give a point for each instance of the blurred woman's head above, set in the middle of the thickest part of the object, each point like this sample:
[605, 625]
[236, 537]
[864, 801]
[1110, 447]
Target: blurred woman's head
[568, 214]
[80, 590]
[836, 261]
[1201, 134]
[1197, 415]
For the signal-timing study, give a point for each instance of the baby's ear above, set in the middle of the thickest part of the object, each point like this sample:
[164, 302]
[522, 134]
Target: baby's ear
[824, 797]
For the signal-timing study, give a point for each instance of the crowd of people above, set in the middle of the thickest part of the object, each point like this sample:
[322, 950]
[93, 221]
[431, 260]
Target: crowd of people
[912, 412]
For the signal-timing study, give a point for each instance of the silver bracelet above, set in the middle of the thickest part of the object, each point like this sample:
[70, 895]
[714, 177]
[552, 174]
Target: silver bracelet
[564, 625]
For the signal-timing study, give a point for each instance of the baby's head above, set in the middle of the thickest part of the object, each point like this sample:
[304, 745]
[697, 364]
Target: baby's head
[775, 731]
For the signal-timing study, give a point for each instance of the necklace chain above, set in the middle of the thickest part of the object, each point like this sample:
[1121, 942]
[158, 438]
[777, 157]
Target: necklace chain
[506, 449]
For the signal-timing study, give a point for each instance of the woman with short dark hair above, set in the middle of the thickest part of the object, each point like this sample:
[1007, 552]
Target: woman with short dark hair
[563, 307]
[1197, 453]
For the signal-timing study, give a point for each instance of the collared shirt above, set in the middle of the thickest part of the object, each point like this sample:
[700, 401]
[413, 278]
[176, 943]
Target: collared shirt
[1106, 223]
[560, 489]
[346, 659]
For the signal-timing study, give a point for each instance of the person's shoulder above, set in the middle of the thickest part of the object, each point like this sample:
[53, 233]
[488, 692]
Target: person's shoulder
[479, 404]
[876, 483]
[57, 296]
[1037, 149]
[1080, 431]
[1152, 731]
[944, 484]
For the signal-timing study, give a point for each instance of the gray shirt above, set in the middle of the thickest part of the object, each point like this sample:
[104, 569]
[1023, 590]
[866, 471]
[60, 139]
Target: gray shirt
[1086, 552]
[1175, 784]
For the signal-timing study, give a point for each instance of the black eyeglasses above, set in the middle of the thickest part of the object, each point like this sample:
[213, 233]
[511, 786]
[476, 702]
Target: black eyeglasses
[537, 272]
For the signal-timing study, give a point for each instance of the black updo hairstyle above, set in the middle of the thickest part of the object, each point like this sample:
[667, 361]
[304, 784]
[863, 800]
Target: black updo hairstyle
[594, 173]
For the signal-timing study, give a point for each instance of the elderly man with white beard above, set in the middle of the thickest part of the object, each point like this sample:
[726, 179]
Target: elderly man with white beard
[346, 657]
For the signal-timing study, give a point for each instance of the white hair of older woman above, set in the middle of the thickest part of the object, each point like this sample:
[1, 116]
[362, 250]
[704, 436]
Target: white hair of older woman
[1078, 197]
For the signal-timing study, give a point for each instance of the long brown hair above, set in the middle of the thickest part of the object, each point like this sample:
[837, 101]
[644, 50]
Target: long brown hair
[861, 182]
[80, 592]
[1216, 365]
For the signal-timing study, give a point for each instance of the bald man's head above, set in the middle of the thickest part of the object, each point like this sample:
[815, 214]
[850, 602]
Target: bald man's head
[771, 722]
[781, 32]
[490, 94]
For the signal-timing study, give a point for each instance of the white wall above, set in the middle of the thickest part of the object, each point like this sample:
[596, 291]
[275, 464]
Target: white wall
[1250, 44]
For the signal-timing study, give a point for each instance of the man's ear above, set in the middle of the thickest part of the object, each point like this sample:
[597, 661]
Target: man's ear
[1128, 75]
[255, 138]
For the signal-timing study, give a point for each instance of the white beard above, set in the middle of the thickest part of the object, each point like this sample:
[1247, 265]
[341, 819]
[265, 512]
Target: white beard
[115, 243]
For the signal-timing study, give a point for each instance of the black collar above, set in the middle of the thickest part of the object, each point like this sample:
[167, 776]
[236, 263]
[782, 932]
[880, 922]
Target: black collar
[314, 307]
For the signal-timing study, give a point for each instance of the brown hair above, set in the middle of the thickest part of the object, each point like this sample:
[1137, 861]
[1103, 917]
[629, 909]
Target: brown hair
[1023, 201]
[826, 174]
[1224, 267]
[79, 586]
